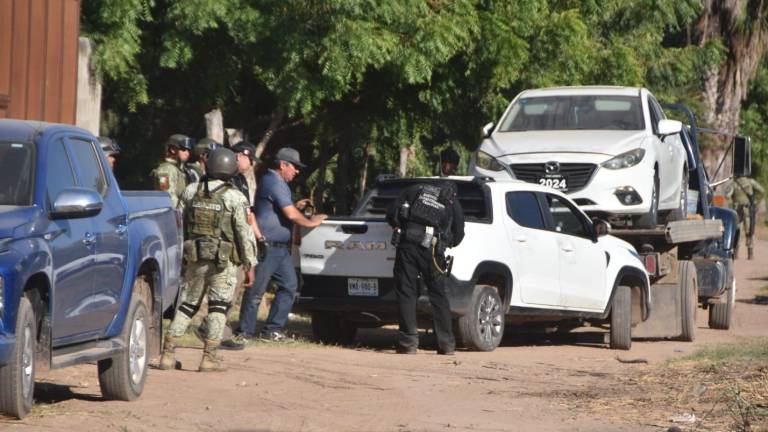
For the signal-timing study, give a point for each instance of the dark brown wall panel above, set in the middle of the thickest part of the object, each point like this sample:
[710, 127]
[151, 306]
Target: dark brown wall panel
[6, 27]
[36, 60]
[71, 22]
[19, 59]
[54, 54]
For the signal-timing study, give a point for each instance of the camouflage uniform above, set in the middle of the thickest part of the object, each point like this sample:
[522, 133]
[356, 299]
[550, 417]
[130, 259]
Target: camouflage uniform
[743, 193]
[219, 241]
[171, 176]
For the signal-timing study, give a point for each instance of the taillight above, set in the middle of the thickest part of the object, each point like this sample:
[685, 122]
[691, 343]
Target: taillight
[650, 264]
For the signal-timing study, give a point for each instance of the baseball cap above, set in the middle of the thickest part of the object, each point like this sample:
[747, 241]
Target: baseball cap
[288, 154]
[247, 149]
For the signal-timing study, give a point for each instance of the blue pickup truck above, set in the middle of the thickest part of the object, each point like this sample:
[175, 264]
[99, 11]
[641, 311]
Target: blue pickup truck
[86, 271]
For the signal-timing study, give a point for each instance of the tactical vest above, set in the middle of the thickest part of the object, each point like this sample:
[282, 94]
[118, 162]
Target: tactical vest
[432, 206]
[209, 225]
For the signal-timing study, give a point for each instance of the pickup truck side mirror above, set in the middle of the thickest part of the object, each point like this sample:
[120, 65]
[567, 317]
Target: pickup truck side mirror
[72, 203]
[487, 129]
[742, 156]
[669, 127]
[601, 228]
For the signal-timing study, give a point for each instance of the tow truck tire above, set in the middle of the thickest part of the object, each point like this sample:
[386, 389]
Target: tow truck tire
[621, 318]
[720, 313]
[122, 377]
[17, 378]
[689, 298]
[331, 329]
[482, 328]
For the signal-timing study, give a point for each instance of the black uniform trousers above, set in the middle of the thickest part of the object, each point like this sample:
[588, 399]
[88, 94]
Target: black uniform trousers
[411, 261]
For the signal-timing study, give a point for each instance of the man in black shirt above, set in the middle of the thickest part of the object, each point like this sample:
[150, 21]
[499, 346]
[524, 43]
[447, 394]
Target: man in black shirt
[429, 219]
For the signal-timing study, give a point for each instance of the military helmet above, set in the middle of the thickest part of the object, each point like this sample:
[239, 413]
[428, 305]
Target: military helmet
[221, 164]
[180, 141]
[205, 146]
[109, 146]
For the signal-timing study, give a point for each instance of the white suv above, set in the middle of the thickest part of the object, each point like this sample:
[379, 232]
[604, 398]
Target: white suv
[611, 149]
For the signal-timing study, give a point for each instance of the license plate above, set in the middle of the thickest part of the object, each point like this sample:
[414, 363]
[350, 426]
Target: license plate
[555, 182]
[363, 287]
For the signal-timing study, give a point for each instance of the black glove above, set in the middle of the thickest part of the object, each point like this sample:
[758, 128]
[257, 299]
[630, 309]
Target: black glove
[261, 249]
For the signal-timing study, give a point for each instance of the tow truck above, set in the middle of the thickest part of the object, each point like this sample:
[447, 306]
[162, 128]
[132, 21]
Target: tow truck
[690, 261]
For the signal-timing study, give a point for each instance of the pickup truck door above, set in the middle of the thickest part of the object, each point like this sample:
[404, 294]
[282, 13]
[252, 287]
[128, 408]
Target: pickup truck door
[72, 243]
[536, 253]
[110, 228]
[581, 261]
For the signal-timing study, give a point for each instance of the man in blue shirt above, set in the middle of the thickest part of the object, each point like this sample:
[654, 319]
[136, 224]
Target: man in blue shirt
[275, 214]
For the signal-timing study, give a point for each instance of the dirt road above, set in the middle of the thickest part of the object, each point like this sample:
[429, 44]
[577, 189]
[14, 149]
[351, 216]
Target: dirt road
[531, 384]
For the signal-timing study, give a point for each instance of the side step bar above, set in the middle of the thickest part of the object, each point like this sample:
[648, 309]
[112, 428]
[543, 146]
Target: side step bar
[87, 352]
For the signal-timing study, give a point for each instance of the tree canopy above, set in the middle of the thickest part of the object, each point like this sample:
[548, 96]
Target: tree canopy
[356, 85]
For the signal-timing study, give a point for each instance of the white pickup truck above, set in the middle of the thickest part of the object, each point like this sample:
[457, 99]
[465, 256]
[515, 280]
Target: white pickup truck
[529, 254]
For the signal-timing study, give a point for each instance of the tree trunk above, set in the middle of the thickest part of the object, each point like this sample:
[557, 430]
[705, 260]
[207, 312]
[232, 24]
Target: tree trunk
[405, 155]
[364, 170]
[214, 125]
[342, 182]
[274, 123]
[742, 28]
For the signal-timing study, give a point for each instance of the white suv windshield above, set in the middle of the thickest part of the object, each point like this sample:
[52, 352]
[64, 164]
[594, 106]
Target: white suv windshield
[574, 112]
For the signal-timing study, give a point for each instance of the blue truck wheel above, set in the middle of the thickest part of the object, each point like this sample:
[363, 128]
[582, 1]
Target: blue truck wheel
[18, 376]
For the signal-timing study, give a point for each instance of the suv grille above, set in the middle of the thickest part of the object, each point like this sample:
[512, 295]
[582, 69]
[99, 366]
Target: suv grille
[576, 175]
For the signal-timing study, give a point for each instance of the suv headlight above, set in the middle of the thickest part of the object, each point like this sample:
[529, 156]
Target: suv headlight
[487, 162]
[625, 160]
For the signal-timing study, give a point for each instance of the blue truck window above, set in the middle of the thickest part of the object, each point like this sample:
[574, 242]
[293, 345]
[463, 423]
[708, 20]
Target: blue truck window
[59, 170]
[16, 173]
[91, 174]
[523, 208]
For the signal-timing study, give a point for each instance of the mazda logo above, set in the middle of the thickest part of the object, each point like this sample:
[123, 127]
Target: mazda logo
[552, 167]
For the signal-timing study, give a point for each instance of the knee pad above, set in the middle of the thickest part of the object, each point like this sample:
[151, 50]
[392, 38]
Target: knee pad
[218, 307]
[189, 309]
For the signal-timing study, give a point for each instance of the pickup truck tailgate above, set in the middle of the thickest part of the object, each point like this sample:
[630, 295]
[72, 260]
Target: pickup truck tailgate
[348, 247]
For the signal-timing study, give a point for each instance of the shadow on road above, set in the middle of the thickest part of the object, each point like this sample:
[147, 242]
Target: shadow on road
[758, 300]
[49, 393]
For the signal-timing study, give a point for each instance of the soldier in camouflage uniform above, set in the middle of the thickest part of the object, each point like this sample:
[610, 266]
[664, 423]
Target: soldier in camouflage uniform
[218, 241]
[202, 148]
[745, 194]
[172, 175]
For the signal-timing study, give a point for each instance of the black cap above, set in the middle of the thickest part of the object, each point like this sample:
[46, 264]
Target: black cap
[449, 155]
[247, 149]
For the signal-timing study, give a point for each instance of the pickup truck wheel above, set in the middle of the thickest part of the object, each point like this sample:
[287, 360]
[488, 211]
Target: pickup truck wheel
[720, 313]
[18, 376]
[122, 377]
[651, 219]
[621, 318]
[689, 298]
[331, 329]
[482, 328]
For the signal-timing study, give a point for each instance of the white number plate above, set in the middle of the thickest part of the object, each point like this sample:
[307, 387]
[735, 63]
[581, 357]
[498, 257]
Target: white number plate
[363, 287]
[554, 182]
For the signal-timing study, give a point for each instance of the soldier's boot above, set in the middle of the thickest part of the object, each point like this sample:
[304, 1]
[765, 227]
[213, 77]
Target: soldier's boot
[211, 361]
[168, 360]
[750, 253]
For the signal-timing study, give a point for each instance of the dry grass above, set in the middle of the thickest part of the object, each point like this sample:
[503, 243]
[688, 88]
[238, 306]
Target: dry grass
[724, 386]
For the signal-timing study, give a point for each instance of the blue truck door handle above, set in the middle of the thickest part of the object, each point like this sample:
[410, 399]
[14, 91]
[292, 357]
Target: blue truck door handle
[89, 238]
[121, 229]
